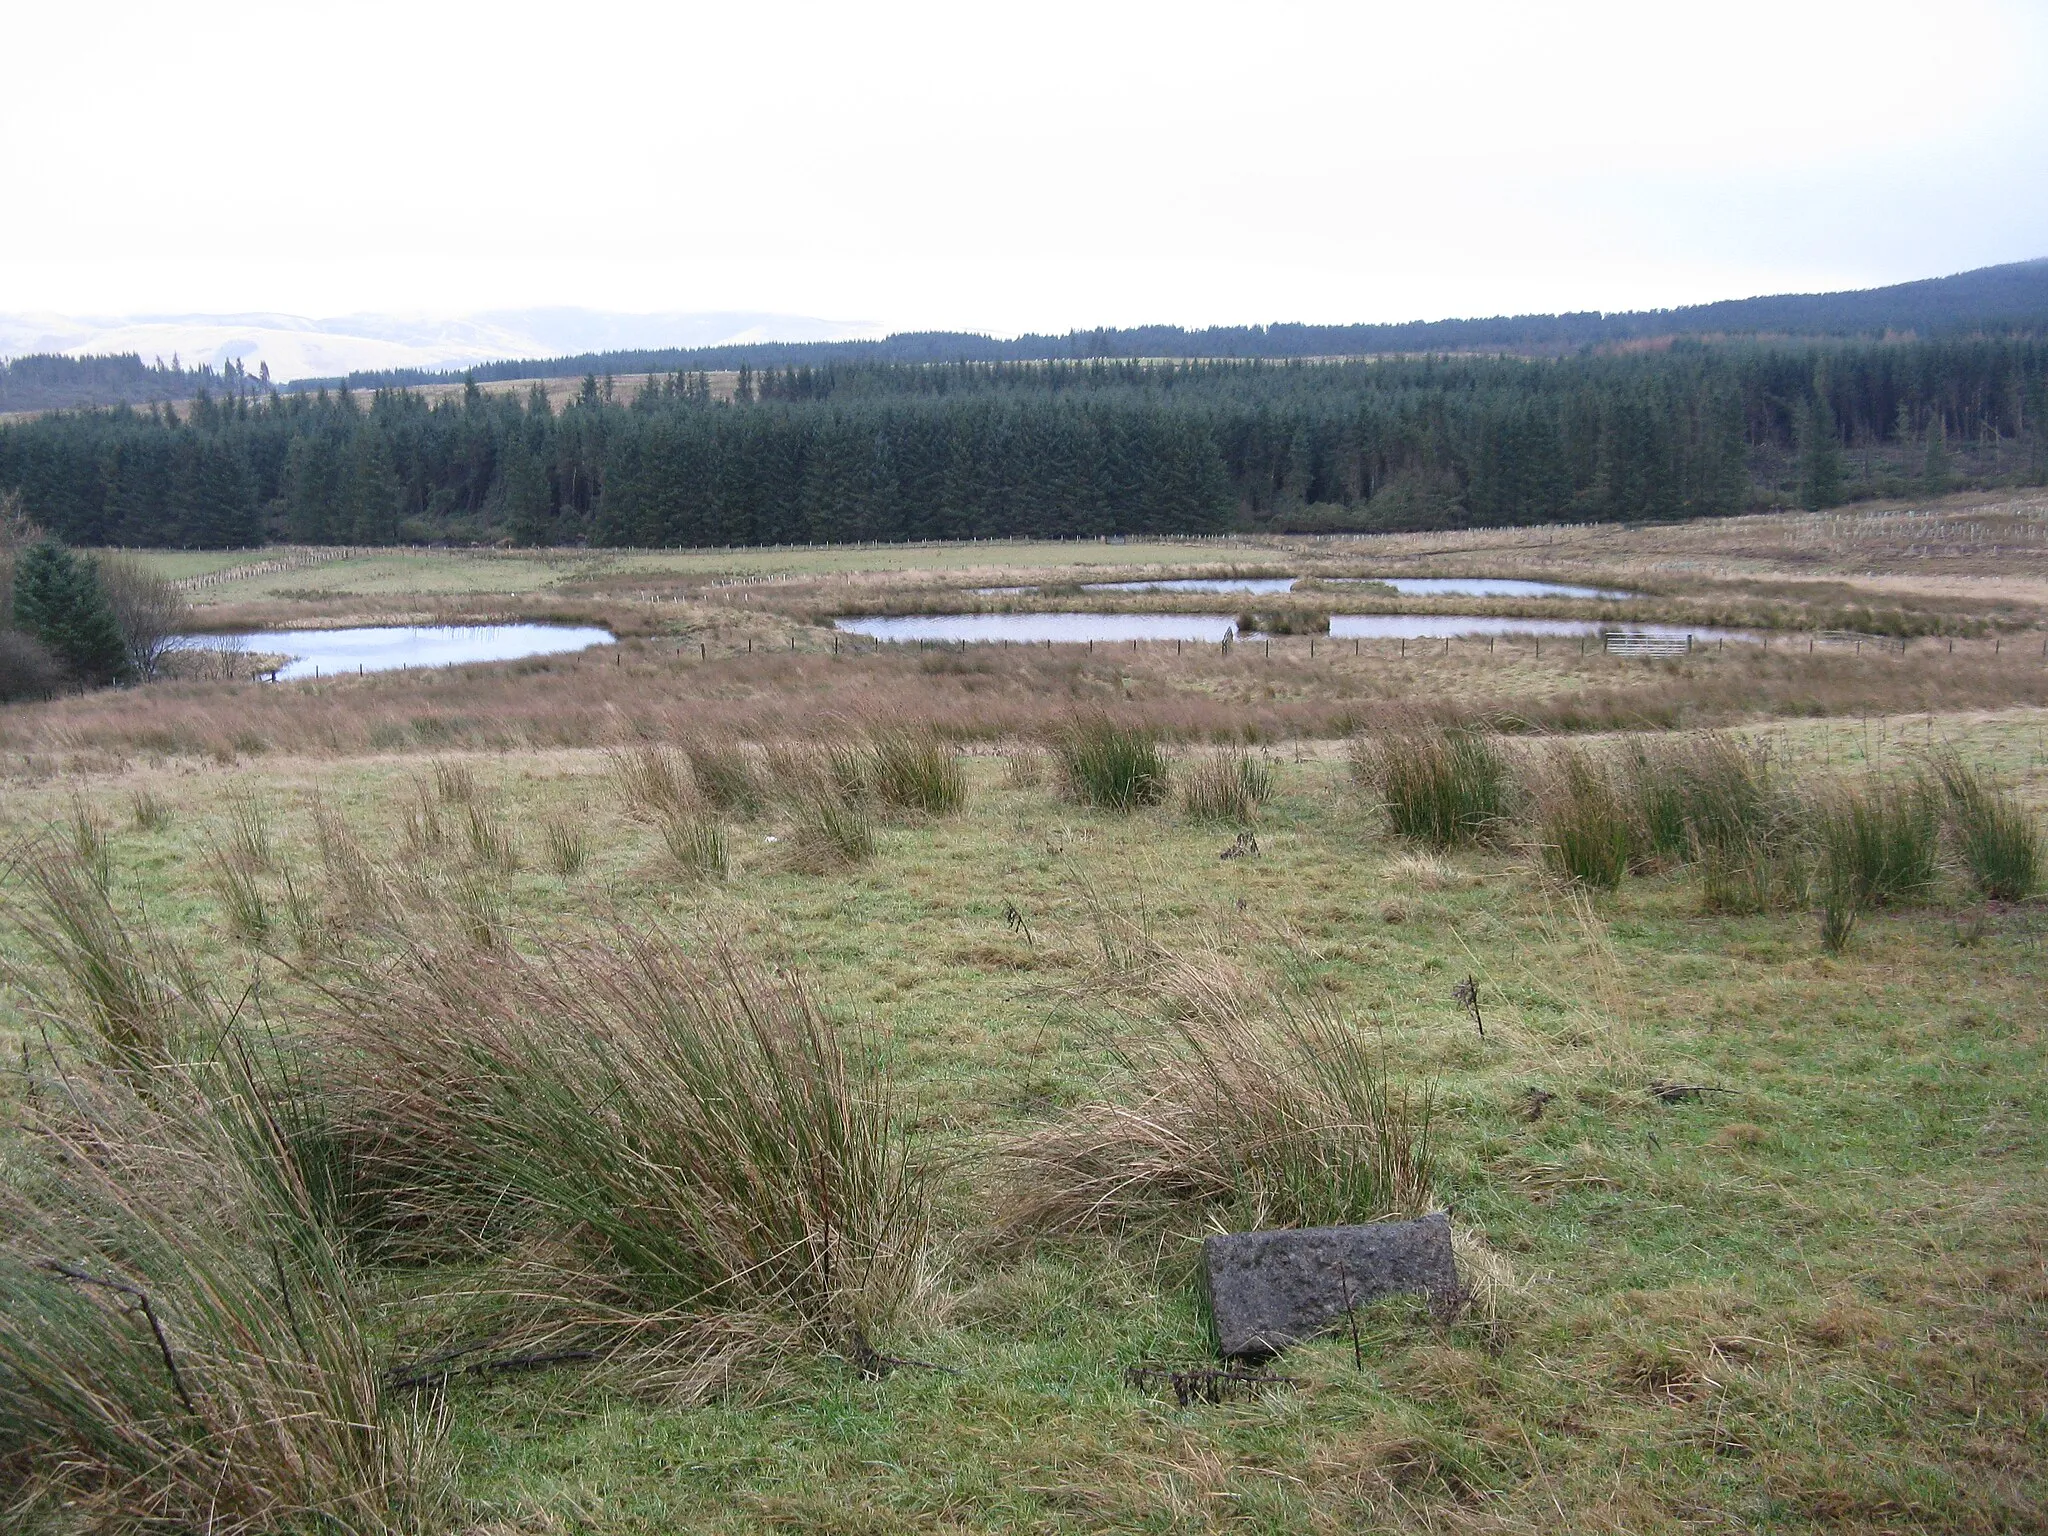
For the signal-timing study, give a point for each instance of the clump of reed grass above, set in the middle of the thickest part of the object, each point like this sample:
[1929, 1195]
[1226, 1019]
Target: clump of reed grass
[832, 831]
[491, 843]
[914, 770]
[455, 783]
[1110, 765]
[726, 776]
[565, 845]
[148, 812]
[240, 895]
[678, 1134]
[1441, 787]
[425, 836]
[1292, 1122]
[182, 1343]
[1703, 796]
[655, 782]
[698, 845]
[90, 847]
[1585, 831]
[1880, 841]
[1228, 786]
[1996, 839]
[360, 892]
[248, 835]
[1837, 922]
[117, 1007]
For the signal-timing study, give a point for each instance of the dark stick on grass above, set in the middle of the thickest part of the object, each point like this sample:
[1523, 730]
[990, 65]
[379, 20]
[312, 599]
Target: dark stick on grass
[1678, 1093]
[1466, 993]
[1351, 1316]
[142, 1304]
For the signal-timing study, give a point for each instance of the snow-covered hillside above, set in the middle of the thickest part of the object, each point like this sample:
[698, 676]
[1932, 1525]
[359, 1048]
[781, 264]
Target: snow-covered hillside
[296, 347]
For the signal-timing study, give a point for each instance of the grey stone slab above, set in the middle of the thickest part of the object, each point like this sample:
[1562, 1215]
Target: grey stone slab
[1268, 1290]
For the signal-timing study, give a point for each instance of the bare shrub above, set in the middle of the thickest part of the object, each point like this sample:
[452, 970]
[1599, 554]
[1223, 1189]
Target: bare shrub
[148, 610]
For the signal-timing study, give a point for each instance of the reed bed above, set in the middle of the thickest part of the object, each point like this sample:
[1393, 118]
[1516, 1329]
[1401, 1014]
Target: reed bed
[725, 774]
[248, 831]
[240, 894]
[654, 782]
[91, 847]
[119, 1002]
[148, 812]
[1879, 840]
[491, 843]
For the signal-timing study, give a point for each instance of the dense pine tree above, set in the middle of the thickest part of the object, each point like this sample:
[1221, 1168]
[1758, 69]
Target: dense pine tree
[58, 599]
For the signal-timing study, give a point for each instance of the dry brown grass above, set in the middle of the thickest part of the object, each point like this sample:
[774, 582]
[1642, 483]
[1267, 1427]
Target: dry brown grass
[656, 694]
[1253, 1117]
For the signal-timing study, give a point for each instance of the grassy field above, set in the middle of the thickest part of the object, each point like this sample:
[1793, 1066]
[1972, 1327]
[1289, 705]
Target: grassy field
[1811, 1297]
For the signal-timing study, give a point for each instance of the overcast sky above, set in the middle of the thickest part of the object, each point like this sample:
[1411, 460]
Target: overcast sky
[1003, 167]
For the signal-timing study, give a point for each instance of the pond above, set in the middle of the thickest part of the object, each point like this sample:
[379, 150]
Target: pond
[1076, 628]
[1038, 628]
[325, 652]
[1413, 586]
[1476, 586]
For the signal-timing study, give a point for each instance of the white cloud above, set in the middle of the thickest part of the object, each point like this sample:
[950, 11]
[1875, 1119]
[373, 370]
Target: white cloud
[1012, 166]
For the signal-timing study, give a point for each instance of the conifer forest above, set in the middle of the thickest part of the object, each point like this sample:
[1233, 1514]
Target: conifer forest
[857, 452]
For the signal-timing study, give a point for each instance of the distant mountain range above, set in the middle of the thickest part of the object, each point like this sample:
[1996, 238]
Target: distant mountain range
[63, 362]
[295, 347]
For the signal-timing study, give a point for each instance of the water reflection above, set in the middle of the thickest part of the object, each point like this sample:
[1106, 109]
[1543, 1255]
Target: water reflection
[1476, 586]
[379, 648]
[1076, 628]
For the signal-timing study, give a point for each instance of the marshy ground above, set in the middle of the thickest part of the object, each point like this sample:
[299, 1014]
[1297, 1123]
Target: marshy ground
[1813, 1296]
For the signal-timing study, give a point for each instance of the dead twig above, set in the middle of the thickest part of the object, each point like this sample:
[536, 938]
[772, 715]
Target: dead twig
[1466, 995]
[140, 1303]
[1678, 1093]
[874, 1365]
[1205, 1384]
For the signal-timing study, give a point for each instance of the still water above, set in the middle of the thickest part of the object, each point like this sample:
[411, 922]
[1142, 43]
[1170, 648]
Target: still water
[1477, 586]
[1414, 586]
[1075, 628]
[325, 652]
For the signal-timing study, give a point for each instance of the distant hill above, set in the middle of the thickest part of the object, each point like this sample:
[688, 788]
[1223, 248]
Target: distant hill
[2003, 300]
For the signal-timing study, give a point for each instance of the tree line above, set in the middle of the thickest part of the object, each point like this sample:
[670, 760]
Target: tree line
[2007, 300]
[842, 451]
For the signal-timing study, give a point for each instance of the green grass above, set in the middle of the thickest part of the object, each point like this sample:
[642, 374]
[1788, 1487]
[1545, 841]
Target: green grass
[1778, 1308]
